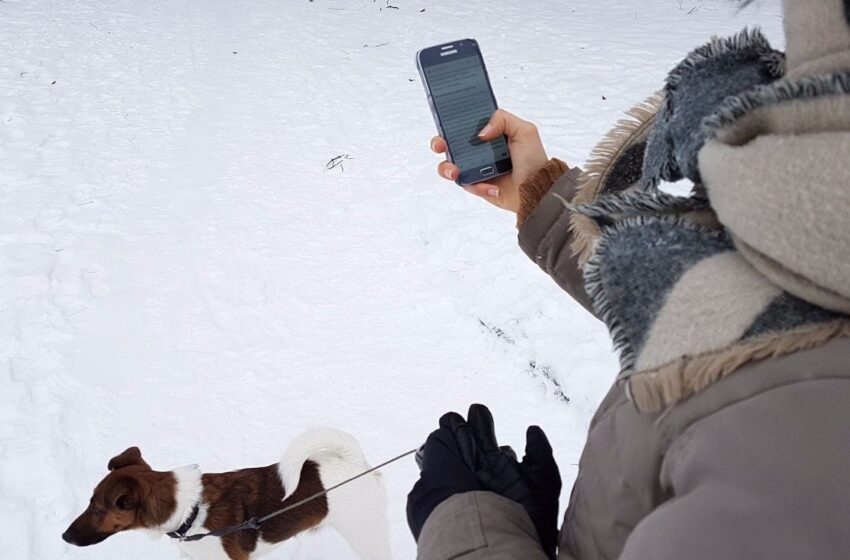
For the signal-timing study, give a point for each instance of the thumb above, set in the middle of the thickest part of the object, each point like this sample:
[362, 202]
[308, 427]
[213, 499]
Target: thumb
[537, 446]
[506, 123]
[538, 462]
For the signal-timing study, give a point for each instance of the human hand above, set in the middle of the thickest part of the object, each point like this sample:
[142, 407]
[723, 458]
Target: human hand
[535, 483]
[527, 155]
[444, 473]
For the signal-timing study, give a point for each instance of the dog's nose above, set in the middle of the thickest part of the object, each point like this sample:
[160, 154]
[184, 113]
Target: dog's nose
[66, 536]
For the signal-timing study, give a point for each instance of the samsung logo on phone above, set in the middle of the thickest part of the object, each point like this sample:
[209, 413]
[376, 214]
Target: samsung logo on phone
[447, 53]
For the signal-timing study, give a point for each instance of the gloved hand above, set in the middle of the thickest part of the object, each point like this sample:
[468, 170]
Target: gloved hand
[535, 483]
[444, 473]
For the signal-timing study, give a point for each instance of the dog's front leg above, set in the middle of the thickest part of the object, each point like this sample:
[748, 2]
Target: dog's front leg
[234, 549]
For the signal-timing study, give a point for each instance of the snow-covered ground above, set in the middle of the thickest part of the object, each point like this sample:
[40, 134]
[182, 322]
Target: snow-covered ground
[179, 271]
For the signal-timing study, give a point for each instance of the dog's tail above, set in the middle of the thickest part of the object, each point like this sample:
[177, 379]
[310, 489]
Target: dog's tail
[318, 445]
[357, 510]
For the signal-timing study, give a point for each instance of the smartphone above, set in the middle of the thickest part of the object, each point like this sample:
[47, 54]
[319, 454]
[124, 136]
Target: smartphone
[462, 102]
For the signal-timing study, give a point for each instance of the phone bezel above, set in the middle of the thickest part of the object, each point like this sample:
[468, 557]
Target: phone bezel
[432, 56]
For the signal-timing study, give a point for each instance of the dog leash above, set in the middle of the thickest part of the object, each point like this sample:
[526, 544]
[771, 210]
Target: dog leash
[256, 523]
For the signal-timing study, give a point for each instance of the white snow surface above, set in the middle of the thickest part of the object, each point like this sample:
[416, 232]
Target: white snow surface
[178, 270]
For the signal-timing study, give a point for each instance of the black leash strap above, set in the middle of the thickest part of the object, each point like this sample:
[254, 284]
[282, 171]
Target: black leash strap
[256, 522]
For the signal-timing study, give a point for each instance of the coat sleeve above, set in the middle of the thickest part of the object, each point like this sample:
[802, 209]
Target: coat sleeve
[545, 234]
[479, 526]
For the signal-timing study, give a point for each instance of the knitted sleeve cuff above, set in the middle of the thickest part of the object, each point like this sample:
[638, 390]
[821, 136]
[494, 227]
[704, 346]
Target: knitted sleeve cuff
[533, 189]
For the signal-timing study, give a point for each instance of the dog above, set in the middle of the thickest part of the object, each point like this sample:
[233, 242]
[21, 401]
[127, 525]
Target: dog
[185, 502]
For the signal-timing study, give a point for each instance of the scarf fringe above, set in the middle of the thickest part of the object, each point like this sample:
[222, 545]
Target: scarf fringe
[749, 42]
[748, 39]
[638, 121]
[811, 87]
[593, 282]
[642, 202]
[659, 388]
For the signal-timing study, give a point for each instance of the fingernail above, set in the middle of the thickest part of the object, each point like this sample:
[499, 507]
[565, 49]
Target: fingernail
[485, 131]
[449, 173]
[493, 192]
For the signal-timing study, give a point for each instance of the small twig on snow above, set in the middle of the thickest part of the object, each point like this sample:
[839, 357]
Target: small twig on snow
[337, 161]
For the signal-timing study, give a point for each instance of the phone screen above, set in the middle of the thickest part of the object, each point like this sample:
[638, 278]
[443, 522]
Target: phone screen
[464, 104]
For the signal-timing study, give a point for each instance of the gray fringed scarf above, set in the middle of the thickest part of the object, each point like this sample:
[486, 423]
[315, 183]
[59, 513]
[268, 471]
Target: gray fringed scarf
[756, 262]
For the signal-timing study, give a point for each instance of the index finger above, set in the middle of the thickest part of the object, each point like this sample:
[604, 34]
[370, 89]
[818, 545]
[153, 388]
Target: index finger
[459, 429]
[483, 428]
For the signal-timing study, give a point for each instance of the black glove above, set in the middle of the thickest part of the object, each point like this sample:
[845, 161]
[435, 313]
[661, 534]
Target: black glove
[535, 483]
[444, 474]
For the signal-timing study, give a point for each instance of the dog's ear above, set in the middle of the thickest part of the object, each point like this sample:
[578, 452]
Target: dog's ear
[131, 456]
[122, 493]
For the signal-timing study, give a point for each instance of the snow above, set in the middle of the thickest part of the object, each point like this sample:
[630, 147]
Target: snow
[180, 271]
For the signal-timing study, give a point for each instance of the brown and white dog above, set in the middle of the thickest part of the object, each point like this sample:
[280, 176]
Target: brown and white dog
[134, 496]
